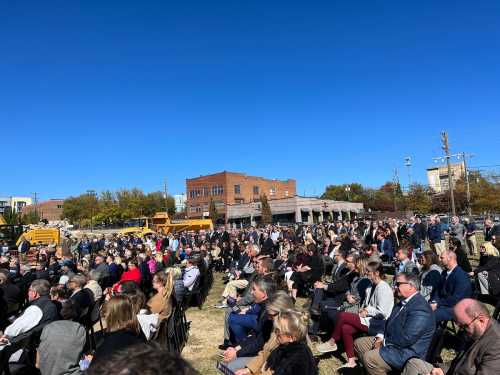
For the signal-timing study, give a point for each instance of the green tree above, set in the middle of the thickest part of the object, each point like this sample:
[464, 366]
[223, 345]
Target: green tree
[266, 214]
[11, 217]
[212, 211]
[31, 217]
[419, 199]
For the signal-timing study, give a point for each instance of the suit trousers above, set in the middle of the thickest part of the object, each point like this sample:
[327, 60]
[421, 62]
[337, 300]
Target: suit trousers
[370, 357]
[231, 289]
[416, 366]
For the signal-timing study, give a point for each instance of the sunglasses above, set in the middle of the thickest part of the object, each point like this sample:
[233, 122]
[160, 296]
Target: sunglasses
[398, 283]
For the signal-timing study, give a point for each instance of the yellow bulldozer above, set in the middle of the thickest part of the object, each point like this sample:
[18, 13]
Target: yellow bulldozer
[13, 234]
[161, 223]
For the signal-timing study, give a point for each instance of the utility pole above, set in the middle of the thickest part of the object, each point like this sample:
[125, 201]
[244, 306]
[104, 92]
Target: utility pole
[463, 155]
[447, 157]
[395, 183]
[446, 149]
[166, 197]
[408, 166]
[35, 199]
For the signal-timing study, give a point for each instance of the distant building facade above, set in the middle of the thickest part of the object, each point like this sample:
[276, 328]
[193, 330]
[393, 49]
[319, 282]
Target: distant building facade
[226, 188]
[50, 210]
[16, 203]
[180, 202]
[295, 209]
[438, 176]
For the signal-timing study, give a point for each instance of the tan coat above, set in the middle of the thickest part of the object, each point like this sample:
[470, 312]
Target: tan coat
[161, 305]
[256, 365]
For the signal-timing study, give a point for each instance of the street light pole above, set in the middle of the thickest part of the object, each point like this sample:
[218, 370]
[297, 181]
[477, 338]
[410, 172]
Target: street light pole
[348, 190]
[408, 166]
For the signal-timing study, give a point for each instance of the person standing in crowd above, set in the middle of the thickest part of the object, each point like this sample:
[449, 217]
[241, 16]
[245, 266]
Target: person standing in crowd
[491, 231]
[435, 235]
[470, 236]
[457, 230]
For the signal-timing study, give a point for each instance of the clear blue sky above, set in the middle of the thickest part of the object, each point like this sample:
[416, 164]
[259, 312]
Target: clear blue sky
[112, 94]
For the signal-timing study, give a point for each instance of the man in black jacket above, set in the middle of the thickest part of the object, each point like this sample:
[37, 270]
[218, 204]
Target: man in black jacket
[328, 296]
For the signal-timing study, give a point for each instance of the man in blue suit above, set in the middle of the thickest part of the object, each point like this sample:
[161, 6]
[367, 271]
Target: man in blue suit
[408, 331]
[455, 286]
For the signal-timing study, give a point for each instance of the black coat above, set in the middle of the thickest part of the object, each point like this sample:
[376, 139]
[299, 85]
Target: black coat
[292, 359]
[492, 266]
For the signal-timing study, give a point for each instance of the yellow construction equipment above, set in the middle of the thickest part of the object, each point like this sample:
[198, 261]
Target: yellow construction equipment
[41, 236]
[163, 224]
[13, 234]
[140, 227]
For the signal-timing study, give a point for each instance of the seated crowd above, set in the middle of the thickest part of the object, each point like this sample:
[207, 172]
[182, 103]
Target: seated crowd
[55, 298]
[375, 291]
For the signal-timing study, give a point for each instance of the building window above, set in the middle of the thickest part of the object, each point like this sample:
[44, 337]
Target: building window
[217, 190]
[59, 206]
[272, 191]
[237, 189]
[205, 191]
[239, 201]
[256, 190]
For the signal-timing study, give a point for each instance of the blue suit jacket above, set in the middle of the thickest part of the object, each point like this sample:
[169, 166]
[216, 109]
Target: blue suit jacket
[388, 248]
[454, 288]
[408, 333]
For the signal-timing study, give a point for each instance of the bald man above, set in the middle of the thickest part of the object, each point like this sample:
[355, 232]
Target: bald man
[455, 286]
[482, 357]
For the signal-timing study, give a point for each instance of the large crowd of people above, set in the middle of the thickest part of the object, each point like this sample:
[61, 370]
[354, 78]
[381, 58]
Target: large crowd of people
[383, 292]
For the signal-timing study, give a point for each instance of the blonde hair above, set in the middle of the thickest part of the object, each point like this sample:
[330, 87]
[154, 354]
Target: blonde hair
[294, 323]
[491, 250]
[175, 271]
[361, 266]
[120, 315]
[280, 301]
[166, 279]
[118, 260]
[159, 257]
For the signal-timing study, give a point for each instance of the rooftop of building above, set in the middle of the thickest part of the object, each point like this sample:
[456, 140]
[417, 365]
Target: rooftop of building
[239, 174]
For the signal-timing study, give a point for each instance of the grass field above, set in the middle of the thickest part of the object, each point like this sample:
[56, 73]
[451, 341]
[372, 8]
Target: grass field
[207, 333]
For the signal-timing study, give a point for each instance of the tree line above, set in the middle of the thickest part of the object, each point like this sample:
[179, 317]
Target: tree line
[114, 207]
[484, 196]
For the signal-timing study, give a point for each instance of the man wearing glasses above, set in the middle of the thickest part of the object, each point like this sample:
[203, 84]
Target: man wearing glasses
[41, 310]
[482, 356]
[408, 331]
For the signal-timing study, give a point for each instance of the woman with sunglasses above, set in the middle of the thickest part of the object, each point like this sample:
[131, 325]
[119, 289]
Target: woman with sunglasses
[292, 356]
[377, 307]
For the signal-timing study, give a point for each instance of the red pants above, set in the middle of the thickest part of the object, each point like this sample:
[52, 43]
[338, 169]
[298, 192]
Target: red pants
[347, 325]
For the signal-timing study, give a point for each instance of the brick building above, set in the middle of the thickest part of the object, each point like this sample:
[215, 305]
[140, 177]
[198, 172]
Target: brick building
[232, 188]
[50, 210]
